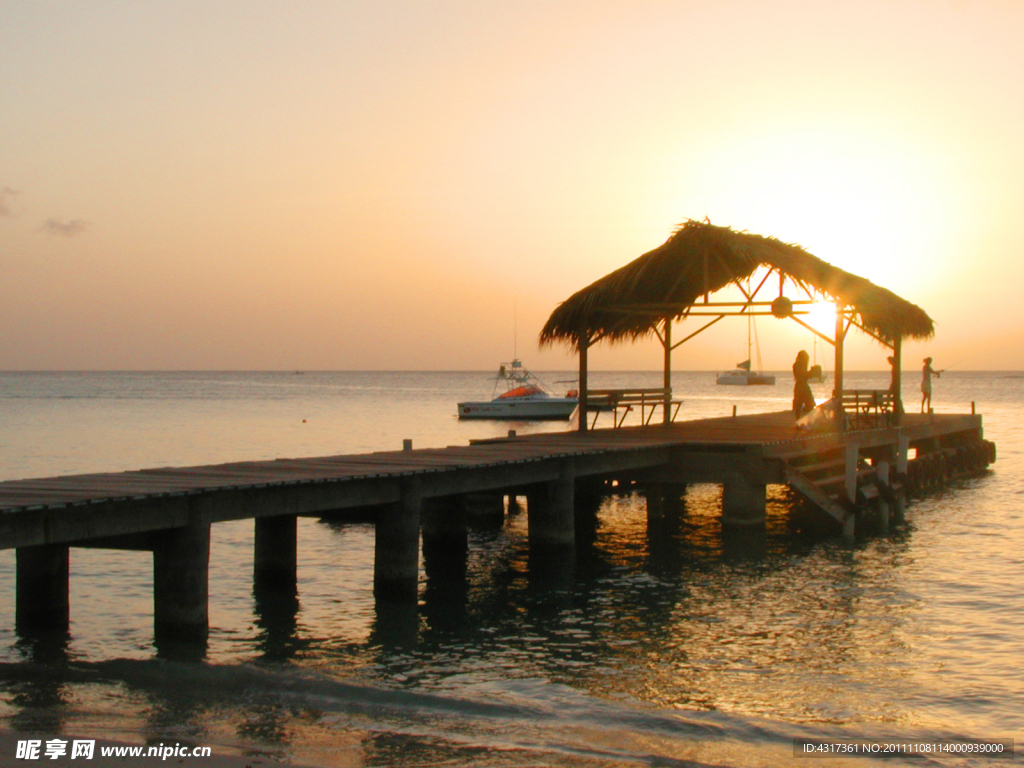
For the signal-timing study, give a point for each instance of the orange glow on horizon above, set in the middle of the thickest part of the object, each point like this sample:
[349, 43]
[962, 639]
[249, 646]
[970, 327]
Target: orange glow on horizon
[341, 185]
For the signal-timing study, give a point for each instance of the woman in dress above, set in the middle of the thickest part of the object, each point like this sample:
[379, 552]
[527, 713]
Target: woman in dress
[803, 398]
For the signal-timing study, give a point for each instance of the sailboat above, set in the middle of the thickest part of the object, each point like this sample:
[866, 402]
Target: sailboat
[742, 375]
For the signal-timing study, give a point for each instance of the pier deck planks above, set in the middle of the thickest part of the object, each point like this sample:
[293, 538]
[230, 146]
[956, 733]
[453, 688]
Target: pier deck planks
[774, 435]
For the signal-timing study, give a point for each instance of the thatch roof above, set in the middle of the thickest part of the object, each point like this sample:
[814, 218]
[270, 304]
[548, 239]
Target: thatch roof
[701, 258]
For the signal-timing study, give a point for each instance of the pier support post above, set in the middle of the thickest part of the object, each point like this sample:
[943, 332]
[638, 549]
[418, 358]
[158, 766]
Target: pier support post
[588, 495]
[850, 481]
[42, 588]
[275, 557]
[396, 560]
[654, 494]
[445, 541]
[852, 455]
[882, 473]
[181, 561]
[551, 509]
[514, 506]
[664, 500]
[484, 511]
[902, 462]
[275, 586]
[744, 502]
[902, 453]
[445, 550]
[675, 504]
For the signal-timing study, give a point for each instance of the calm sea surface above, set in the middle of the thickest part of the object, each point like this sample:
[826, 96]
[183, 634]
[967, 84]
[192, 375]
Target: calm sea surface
[675, 650]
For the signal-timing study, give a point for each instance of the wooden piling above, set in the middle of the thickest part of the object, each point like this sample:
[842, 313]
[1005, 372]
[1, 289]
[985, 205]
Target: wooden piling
[397, 544]
[654, 493]
[884, 512]
[181, 560]
[744, 502]
[275, 557]
[445, 539]
[852, 455]
[551, 509]
[42, 588]
[484, 511]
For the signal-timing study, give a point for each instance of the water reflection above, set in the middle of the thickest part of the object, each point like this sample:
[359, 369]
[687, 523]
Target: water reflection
[276, 620]
[679, 612]
[551, 569]
[445, 593]
[396, 627]
[173, 647]
[38, 689]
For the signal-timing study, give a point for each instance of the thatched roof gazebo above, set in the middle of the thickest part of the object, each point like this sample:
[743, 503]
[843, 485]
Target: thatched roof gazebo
[675, 281]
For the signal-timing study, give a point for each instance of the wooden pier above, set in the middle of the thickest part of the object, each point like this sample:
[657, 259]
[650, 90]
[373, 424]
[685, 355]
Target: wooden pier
[849, 477]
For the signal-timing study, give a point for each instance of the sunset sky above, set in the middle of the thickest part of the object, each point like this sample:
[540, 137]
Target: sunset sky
[218, 184]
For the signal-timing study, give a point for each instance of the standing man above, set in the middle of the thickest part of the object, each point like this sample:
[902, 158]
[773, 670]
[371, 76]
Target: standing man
[926, 385]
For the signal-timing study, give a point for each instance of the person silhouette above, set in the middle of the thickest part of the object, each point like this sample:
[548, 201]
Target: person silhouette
[803, 398]
[926, 384]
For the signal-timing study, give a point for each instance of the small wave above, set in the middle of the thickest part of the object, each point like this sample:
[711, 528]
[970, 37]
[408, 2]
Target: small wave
[528, 722]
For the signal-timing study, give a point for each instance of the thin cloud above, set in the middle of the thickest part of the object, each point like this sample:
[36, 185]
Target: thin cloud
[64, 228]
[6, 193]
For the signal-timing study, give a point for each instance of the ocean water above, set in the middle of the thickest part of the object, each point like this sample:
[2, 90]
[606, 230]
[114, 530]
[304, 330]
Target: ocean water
[683, 648]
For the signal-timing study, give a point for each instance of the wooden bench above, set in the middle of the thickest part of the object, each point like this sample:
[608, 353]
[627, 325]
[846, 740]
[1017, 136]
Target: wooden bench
[625, 400]
[868, 408]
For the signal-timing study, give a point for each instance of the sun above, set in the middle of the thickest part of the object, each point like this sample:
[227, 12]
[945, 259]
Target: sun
[863, 201]
[821, 316]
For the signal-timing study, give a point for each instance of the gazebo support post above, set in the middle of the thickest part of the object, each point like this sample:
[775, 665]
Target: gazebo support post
[667, 340]
[897, 382]
[584, 343]
[838, 375]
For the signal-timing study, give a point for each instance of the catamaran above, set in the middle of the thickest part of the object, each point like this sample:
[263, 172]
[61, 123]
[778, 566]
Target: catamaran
[742, 375]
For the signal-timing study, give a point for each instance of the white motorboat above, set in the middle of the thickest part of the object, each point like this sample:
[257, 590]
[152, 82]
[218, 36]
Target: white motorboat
[525, 399]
